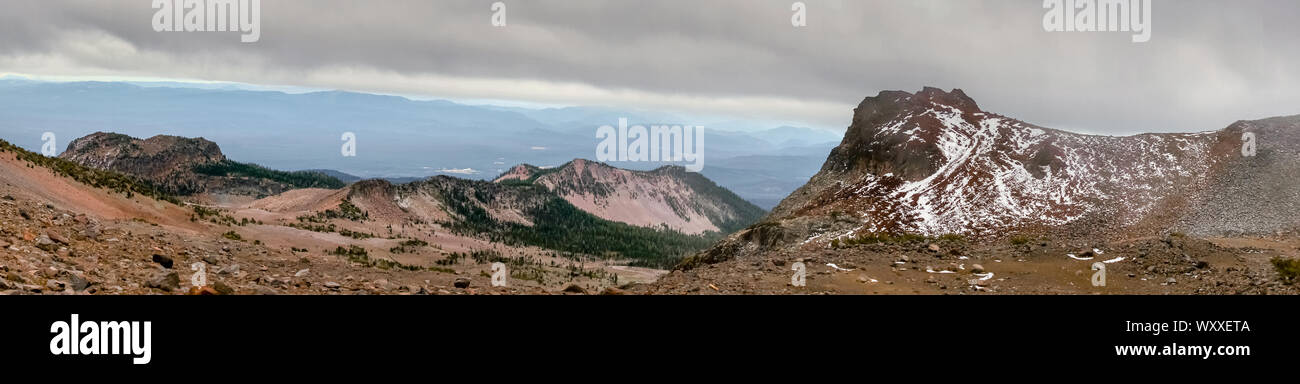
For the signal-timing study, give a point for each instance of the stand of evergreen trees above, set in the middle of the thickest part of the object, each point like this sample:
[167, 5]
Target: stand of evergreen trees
[558, 225]
[297, 179]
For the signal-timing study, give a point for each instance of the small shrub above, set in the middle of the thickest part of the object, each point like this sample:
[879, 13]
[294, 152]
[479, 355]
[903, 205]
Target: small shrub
[1020, 240]
[1288, 270]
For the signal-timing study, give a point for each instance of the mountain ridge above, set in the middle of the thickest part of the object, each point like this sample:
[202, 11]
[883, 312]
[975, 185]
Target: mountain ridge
[398, 138]
[933, 163]
[670, 196]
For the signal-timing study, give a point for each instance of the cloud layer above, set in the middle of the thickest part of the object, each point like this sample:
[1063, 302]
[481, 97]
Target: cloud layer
[1208, 62]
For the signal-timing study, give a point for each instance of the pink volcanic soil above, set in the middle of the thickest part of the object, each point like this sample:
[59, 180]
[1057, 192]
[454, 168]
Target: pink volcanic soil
[42, 184]
[638, 198]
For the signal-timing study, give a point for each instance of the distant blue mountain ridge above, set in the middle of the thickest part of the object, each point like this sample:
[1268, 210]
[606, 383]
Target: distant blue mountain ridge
[397, 138]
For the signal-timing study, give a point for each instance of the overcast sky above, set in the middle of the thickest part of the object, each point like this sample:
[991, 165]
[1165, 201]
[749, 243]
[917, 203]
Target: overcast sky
[1208, 62]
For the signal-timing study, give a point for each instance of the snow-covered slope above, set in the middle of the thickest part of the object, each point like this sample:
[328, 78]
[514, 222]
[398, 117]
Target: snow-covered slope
[935, 163]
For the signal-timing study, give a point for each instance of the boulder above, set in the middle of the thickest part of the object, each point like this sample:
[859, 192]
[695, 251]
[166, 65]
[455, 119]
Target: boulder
[164, 261]
[75, 281]
[222, 288]
[165, 280]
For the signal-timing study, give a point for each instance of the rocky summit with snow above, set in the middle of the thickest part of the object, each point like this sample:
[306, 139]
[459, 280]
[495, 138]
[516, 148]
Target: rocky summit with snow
[930, 194]
[934, 163]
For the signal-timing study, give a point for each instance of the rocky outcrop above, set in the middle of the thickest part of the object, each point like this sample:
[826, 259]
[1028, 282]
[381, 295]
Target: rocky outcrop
[186, 166]
[168, 161]
[667, 197]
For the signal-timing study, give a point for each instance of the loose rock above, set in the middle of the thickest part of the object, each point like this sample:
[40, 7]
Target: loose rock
[165, 280]
[44, 243]
[164, 261]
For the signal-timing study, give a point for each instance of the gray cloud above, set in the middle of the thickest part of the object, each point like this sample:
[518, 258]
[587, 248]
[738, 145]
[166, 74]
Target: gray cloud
[1208, 63]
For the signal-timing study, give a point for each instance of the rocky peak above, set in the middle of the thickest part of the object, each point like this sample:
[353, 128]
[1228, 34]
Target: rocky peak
[887, 104]
[934, 163]
[956, 98]
[518, 172]
[902, 133]
[153, 157]
[666, 197]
